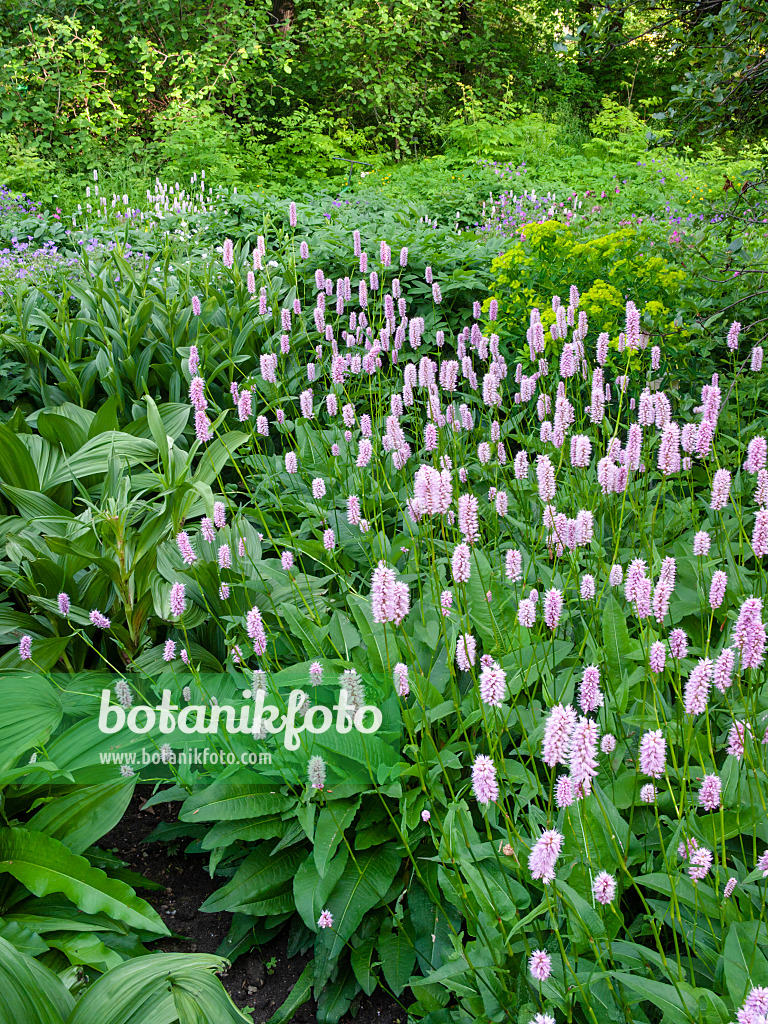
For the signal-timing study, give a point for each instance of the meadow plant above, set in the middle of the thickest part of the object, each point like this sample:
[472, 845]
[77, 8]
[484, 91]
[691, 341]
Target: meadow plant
[553, 567]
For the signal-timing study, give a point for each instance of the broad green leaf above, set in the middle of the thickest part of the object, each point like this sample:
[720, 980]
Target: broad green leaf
[676, 1008]
[82, 816]
[224, 833]
[398, 958]
[745, 964]
[361, 959]
[230, 801]
[45, 865]
[17, 466]
[142, 991]
[334, 819]
[31, 994]
[363, 884]
[311, 889]
[615, 637]
[94, 457]
[259, 876]
[30, 709]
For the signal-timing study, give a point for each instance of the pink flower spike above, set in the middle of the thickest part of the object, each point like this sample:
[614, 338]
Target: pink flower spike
[484, 784]
[544, 855]
[604, 888]
[540, 965]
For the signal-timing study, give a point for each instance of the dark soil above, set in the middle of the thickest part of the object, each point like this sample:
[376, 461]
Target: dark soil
[187, 884]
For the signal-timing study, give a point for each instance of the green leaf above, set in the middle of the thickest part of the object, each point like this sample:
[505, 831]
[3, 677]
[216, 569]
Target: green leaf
[31, 994]
[158, 989]
[363, 884]
[744, 963]
[677, 1009]
[224, 833]
[398, 958]
[30, 709]
[311, 889]
[382, 651]
[361, 959]
[260, 875]
[81, 817]
[298, 995]
[229, 801]
[334, 819]
[45, 865]
[94, 457]
[17, 466]
[615, 637]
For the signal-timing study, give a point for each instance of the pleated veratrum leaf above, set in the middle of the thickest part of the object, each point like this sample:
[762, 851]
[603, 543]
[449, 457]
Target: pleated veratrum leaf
[29, 992]
[30, 710]
[44, 866]
[80, 817]
[217, 454]
[200, 998]
[141, 991]
[94, 457]
[17, 466]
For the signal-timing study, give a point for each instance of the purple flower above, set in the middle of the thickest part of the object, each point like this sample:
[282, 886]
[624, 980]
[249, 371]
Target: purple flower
[484, 784]
[465, 651]
[540, 965]
[543, 856]
[653, 754]
[678, 644]
[697, 688]
[63, 602]
[699, 864]
[493, 684]
[185, 548]
[553, 606]
[557, 735]
[604, 888]
[178, 600]
[389, 597]
[590, 695]
[325, 920]
[583, 755]
[400, 675]
[255, 629]
[717, 588]
[460, 563]
[99, 620]
[25, 648]
[709, 793]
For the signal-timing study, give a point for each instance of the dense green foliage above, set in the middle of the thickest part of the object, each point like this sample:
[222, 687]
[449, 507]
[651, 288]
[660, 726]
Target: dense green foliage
[265, 90]
[113, 379]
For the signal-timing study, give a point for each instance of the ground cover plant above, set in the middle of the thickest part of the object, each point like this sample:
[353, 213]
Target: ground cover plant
[471, 474]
